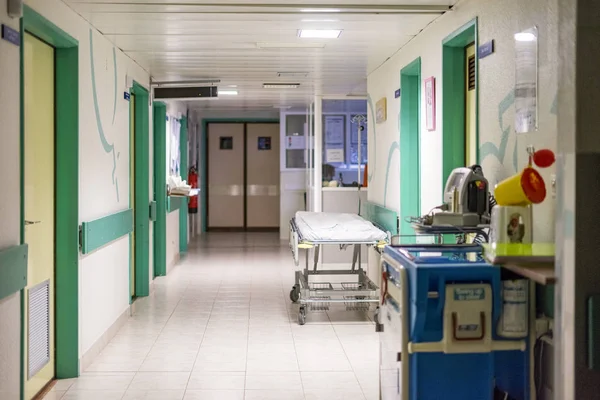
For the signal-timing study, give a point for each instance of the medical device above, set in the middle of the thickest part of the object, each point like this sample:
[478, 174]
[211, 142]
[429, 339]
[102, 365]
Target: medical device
[466, 199]
[448, 329]
[312, 230]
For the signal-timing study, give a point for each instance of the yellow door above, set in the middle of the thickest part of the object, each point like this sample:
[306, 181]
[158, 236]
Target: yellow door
[39, 214]
[470, 117]
[132, 190]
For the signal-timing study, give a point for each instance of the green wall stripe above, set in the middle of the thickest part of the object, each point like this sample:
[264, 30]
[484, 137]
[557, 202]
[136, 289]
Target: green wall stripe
[142, 191]
[381, 216]
[67, 191]
[410, 167]
[13, 270]
[160, 188]
[100, 232]
[175, 203]
[183, 167]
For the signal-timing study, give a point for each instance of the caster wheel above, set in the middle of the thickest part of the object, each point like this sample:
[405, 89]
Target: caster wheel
[301, 316]
[294, 294]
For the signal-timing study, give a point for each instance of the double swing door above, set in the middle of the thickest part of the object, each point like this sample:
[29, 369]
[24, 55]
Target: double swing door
[243, 176]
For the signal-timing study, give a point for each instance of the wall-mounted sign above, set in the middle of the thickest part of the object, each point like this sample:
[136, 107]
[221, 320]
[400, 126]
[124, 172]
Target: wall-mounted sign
[397, 93]
[430, 103]
[485, 49]
[381, 111]
[334, 155]
[264, 142]
[126, 96]
[226, 142]
[11, 35]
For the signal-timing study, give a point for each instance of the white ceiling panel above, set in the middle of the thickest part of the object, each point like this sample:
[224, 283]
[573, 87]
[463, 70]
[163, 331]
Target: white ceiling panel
[179, 40]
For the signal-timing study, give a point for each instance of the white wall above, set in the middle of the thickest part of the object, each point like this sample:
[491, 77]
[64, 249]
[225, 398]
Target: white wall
[498, 20]
[10, 307]
[104, 169]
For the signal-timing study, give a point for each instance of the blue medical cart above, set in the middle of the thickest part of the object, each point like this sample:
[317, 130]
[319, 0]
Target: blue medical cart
[440, 308]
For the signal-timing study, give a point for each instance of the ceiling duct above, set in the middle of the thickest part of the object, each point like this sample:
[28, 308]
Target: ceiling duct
[185, 92]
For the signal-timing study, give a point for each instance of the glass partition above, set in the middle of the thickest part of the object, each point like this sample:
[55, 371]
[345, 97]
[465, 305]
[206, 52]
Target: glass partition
[344, 141]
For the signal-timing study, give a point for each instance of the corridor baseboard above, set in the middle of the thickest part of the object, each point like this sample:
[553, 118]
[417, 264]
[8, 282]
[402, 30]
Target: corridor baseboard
[173, 262]
[88, 358]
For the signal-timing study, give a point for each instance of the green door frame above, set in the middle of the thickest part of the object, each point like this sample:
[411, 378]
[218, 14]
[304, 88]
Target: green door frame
[159, 115]
[67, 190]
[204, 156]
[453, 97]
[410, 137]
[183, 168]
[141, 205]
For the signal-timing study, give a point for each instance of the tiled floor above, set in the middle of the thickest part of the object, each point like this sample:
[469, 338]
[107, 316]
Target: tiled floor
[221, 327]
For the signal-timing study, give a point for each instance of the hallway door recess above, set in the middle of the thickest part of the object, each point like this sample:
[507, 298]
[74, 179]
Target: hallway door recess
[39, 193]
[243, 176]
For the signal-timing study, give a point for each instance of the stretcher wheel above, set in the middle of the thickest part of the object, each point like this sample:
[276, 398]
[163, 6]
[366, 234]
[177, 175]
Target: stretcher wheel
[301, 315]
[294, 294]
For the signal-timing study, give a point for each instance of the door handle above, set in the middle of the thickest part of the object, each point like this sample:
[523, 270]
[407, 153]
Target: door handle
[32, 222]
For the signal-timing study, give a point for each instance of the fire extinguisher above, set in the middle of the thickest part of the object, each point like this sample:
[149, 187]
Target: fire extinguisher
[193, 182]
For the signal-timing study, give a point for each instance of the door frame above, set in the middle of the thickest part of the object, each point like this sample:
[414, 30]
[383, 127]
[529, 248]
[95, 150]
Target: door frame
[204, 157]
[453, 97]
[183, 168]
[66, 191]
[410, 144]
[159, 181]
[141, 210]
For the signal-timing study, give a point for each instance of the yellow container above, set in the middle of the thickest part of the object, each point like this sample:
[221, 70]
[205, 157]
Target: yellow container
[524, 188]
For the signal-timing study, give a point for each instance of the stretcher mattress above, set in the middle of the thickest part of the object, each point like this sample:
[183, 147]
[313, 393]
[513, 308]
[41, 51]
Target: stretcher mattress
[336, 227]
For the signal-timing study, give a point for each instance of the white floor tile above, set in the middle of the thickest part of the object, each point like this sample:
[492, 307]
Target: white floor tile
[55, 395]
[217, 381]
[154, 395]
[274, 395]
[108, 382]
[93, 395]
[274, 381]
[160, 381]
[214, 395]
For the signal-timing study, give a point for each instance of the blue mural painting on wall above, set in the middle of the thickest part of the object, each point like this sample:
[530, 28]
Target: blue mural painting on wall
[108, 147]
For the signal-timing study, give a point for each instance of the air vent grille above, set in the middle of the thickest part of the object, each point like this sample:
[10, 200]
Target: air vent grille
[38, 327]
[472, 73]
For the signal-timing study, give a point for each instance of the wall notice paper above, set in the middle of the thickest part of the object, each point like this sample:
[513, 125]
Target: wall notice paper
[334, 155]
[334, 129]
[295, 142]
[526, 49]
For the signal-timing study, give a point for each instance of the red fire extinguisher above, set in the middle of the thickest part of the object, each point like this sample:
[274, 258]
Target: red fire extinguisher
[193, 182]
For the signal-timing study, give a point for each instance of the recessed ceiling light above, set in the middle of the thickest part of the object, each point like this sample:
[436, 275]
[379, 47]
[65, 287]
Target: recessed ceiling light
[292, 74]
[319, 33]
[321, 10]
[282, 107]
[232, 86]
[525, 37]
[228, 92]
[280, 85]
[290, 45]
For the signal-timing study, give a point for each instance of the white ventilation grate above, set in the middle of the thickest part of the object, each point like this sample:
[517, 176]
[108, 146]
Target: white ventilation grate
[39, 327]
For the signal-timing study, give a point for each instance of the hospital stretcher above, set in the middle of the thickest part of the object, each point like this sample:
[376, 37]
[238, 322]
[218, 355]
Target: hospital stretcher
[310, 230]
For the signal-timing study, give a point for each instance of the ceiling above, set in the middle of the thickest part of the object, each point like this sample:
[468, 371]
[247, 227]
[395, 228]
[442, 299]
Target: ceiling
[183, 40]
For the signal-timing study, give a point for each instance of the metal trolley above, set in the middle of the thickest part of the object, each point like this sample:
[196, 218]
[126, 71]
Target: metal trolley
[317, 296]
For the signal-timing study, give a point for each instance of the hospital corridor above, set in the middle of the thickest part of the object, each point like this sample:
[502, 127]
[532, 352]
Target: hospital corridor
[299, 200]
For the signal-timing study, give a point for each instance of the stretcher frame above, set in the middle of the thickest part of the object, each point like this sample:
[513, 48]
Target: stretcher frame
[317, 296]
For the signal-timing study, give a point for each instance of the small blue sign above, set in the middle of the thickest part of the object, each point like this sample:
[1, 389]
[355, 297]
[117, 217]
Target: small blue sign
[397, 94]
[126, 96]
[486, 49]
[11, 35]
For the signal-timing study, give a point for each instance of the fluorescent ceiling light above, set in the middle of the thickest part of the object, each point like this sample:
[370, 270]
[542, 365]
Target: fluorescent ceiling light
[320, 20]
[319, 33]
[292, 74]
[228, 92]
[283, 107]
[232, 86]
[321, 10]
[525, 37]
[280, 85]
[290, 45]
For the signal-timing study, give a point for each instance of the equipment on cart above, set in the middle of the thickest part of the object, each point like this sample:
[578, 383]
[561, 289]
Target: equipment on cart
[451, 328]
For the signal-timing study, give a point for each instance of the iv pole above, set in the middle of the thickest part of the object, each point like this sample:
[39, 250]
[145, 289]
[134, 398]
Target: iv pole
[359, 120]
